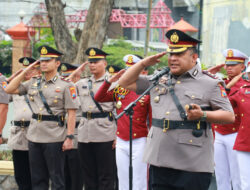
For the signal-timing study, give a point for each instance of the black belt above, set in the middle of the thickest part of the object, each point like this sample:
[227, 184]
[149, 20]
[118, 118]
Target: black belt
[171, 124]
[57, 118]
[21, 123]
[90, 115]
[77, 123]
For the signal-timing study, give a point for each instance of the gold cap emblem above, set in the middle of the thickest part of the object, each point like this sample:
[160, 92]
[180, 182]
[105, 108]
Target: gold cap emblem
[63, 68]
[26, 62]
[44, 51]
[92, 52]
[174, 38]
[130, 59]
[230, 53]
[111, 70]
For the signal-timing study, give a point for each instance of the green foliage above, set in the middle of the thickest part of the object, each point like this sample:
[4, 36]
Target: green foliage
[5, 56]
[6, 155]
[119, 48]
[46, 38]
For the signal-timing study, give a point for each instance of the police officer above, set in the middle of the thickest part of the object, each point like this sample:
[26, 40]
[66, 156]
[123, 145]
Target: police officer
[180, 143]
[51, 97]
[72, 169]
[96, 131]
[226, 167]
[17, 140]
[142, 111]
[4, 100]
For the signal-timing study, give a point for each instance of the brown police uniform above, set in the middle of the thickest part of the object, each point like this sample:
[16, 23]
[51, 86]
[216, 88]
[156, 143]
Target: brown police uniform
[47, 131]
[4, 97]
[176, 148]
[96, 132]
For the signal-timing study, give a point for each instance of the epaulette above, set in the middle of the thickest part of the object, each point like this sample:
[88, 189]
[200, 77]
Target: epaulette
[209, 74]
[65, 79]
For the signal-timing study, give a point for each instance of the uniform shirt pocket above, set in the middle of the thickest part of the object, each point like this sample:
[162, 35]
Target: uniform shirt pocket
[194, 96]
[189, 139]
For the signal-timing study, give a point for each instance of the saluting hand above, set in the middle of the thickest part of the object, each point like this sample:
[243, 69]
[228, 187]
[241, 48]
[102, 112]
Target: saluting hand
[67, 145]
[31, 66]
[234, 80]
[152, 60]
[195, 113]
[14, 75]
[216, 68]
[116, 77]
[76, 74]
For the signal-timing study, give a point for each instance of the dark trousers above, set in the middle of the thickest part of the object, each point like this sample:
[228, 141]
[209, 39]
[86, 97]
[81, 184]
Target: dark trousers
[170, 179]
[46, 162]
[72, 169]
[98, 162]
[22, 169]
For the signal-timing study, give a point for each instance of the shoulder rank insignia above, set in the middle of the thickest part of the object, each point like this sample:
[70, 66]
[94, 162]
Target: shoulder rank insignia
[72, 90]
[209, 74]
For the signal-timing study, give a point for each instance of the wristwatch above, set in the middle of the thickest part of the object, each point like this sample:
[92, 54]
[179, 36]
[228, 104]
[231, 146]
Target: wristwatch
[70, 136]
[204, 116]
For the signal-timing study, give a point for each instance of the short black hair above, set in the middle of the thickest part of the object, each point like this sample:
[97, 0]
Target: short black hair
[193, 50]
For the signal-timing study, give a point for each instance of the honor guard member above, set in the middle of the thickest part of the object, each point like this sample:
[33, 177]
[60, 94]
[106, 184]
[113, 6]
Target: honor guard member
[241, 99]
[226, 166]
[51, 97]
[72, 169]
[4, 101]
[96, 131]
[180, 144]
[142, 111]
[17, 140]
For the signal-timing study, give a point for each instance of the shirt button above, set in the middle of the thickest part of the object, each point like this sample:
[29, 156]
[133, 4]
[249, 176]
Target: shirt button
[117, 133]
[190, 141]
[134, 134]
[233, 129]
[242, 100]
[138, 119]
[45, 86]
[192, 96]
[242, 114]
[215, 126]
[242, 127]
[41, 109]
[167, 113]
[178, 82]
[24, 109]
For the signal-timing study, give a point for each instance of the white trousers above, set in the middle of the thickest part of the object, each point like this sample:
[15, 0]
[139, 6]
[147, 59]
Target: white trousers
[226, 166]
[139, 168]
[244, 167]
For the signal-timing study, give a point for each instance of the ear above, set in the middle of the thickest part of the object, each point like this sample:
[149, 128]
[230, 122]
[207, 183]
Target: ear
[243, 67]
[195, 57]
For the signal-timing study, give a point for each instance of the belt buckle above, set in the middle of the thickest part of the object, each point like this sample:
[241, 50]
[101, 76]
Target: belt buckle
[199, 125]
[164, 125]
[39, 117]
[22, 124]
[88, 115]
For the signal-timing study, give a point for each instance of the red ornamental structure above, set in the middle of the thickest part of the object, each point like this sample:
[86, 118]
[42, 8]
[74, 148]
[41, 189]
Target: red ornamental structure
[160, 18]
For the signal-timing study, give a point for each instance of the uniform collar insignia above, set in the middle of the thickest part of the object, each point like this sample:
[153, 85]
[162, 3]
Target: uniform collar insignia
[55, 78]
[195, 72]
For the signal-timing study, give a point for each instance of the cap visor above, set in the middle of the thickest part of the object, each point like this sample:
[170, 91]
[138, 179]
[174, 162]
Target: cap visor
[95, 60]
[45, 58]
[176, 50]
[232, 62]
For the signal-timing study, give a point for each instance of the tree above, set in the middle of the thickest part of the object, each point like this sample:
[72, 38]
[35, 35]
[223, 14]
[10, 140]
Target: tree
[63, 39]
[93, 34]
